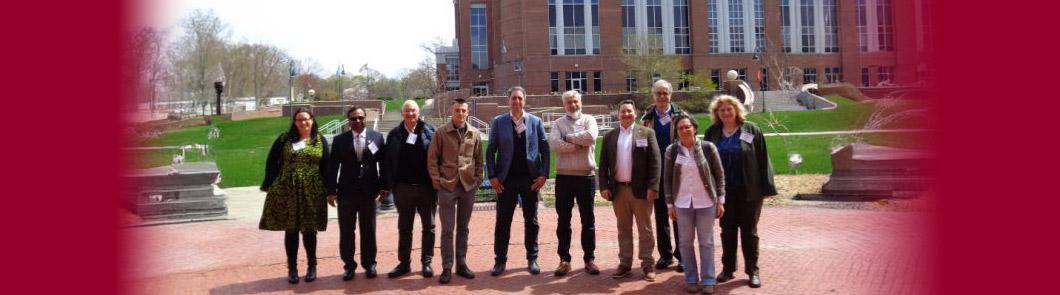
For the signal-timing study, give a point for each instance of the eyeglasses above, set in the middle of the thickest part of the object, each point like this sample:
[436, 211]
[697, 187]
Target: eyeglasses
[357, 118]
[662, 93]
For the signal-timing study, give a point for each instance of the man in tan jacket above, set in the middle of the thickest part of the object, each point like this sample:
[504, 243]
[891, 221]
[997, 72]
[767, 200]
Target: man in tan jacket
[455, 163]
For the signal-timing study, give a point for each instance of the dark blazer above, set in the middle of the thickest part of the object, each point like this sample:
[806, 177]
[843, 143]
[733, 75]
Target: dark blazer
[757, 170]
[356, 175]
[499, 151]
[274, 161]
[394, 139]
[647, 165]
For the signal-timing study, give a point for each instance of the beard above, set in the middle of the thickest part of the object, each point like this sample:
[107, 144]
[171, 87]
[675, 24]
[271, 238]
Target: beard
[575, 114]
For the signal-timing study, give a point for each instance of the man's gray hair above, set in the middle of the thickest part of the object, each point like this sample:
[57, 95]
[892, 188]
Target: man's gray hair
[662, 83]
[410, 102]
[570, 94]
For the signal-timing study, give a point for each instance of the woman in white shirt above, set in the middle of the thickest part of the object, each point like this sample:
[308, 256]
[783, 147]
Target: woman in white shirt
[695, 188]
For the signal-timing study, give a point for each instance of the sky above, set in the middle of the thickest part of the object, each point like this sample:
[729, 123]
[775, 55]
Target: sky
[385, 35]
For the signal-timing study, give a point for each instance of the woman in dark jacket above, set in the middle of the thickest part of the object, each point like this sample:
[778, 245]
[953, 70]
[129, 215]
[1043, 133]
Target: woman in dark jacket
[296, 190]
[748, 181]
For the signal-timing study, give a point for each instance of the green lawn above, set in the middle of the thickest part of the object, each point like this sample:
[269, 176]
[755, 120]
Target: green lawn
[240, 151]
[243, 145]
[850, 115]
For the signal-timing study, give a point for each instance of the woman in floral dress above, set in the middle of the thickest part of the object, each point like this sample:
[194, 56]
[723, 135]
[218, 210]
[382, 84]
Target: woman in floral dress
[296, 189]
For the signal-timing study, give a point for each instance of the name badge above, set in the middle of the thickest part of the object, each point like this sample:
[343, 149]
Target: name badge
[682, 160]
[520, 128]
[747, 137]
[372, 148]
[578, 128]
[298, 145]
[664, 120]
[410, 140]
[642, 142]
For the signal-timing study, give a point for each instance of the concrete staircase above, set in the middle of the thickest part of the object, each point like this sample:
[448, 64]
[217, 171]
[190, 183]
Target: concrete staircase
[181, 191]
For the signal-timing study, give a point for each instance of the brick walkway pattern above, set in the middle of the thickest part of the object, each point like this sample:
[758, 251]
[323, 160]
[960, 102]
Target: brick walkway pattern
[804, 250]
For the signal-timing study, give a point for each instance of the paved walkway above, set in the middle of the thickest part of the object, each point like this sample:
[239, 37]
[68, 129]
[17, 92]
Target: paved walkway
[804, 250]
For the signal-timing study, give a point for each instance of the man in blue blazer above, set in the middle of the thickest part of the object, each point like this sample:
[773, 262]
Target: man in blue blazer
[517, 165]
[355, 160]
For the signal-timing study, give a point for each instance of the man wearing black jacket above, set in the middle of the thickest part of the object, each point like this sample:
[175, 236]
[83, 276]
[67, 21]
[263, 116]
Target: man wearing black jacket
[354, 160]
[406, 160]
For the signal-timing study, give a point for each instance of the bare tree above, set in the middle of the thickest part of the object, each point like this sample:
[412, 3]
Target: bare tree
[146, 67]
[198, 52]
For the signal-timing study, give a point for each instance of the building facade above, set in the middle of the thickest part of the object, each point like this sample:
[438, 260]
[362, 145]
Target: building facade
[550, 46]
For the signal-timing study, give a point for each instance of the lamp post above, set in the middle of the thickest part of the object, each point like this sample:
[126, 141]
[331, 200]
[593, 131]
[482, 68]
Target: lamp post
[219, 86]
[290, 85]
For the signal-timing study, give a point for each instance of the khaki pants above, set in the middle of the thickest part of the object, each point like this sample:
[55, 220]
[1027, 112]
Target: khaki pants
[627, 208]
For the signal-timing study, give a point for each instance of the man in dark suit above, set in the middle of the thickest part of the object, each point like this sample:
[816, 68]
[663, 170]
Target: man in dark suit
[354, 158]
[517, 165]
[629, 177]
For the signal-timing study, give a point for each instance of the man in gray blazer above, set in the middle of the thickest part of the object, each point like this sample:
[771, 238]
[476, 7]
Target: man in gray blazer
[629, 177]
[517, 165]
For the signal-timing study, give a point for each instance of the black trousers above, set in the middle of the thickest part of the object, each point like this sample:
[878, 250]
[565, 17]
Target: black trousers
[513, 188]
[667, 251]
[290, 244]
[412, 200]
[360, 208]
[741, 217]
[571, 189]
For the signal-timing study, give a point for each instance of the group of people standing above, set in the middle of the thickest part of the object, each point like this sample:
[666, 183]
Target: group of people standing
[659, 165]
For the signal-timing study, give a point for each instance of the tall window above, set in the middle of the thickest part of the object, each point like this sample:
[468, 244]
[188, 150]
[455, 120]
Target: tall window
[741, 74]
[554, 78]
[452, 68]
[809, 75]
[884, 25]
[735, 26]
[573, 27]
[809, 26]
[712, 25]
[660, 26]
[785, 24]
[480, 88]
[479, 55]
[875, 25]
[576, 81]
[597, 85]
[807, 21]
[655, 26]
[629, 26]
[681, 44]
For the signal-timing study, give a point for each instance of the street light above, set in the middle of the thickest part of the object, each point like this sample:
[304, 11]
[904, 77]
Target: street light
[290, 85]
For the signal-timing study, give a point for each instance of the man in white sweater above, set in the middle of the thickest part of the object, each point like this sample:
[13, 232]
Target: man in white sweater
[573, 139]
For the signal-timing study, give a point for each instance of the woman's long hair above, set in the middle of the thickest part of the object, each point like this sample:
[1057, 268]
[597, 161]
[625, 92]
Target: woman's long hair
[292, 132]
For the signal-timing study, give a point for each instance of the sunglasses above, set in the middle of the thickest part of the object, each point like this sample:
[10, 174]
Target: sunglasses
[357, 118]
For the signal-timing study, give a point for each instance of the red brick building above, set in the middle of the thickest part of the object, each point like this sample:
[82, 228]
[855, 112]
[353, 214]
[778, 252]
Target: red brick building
[555, 45]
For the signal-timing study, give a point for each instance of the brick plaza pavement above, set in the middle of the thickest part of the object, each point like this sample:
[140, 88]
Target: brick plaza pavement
[804, 250]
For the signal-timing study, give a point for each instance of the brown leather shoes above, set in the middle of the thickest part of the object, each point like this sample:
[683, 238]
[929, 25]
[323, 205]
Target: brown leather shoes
[623, 271]
[563, 269]
[591, 268]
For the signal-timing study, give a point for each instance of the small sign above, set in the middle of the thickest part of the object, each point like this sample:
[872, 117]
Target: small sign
[410, 140]
[578, 128]
[747, 137]
[520, 128]
[372, 148]
[642, 142]
[298, 145]
[664, 120]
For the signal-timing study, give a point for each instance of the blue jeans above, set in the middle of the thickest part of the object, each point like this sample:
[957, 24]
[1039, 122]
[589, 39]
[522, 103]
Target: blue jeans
[697, 224]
